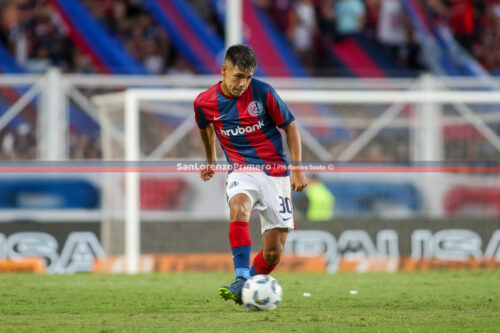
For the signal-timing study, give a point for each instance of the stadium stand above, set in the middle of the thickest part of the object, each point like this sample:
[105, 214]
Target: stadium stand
[199, 45]
[30, 25]
[88, 35]
[36, 32]
[349, 38]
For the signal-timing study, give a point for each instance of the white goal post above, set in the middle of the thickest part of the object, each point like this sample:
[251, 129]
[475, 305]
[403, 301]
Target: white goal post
[429, 118]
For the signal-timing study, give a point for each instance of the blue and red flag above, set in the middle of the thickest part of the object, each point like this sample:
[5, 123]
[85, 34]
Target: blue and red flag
[276, 57]
[442, 53]
[195, 41]
[107, 55]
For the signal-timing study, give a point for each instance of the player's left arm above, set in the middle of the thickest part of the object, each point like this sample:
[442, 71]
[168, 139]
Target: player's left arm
[298, 180]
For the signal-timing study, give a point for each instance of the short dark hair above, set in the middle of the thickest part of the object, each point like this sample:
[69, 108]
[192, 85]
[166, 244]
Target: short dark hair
[242, 56]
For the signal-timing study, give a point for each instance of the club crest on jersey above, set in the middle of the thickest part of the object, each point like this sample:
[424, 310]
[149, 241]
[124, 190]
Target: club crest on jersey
[255, 108]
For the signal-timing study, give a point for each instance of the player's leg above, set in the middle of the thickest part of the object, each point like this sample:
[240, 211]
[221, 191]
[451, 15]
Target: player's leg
[276, 221]
[240, 241]
[240, 207]
[242, 196]
[273, 242]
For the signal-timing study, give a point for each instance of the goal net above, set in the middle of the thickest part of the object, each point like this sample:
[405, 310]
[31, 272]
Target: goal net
[385, 152]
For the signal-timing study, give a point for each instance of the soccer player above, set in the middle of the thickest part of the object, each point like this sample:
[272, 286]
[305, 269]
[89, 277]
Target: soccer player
[244, 114]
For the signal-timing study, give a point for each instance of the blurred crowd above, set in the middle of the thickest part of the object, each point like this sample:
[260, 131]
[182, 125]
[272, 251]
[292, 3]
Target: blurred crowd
[18, 144]
[37, 38]
[474, 23]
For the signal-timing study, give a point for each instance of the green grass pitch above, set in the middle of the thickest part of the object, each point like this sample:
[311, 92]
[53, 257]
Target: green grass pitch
[438, 301]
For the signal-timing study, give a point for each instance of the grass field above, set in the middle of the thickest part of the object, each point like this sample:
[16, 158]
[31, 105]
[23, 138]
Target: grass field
[443, 301]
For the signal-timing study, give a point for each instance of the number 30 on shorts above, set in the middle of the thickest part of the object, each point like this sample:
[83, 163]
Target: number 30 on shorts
[286, 205]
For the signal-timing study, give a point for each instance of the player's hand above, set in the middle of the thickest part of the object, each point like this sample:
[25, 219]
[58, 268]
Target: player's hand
[299, 181]
[207, 171]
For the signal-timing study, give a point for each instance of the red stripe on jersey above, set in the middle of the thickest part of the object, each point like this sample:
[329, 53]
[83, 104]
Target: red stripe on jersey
[197, 102]
[219, 88]
[274, 110]
[209, 100]
[196, 106]
[258, 140]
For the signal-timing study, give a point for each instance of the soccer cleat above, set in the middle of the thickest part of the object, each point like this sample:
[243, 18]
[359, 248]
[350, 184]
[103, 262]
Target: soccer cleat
[233, 291]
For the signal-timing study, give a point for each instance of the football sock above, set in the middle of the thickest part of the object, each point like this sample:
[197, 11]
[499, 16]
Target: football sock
[241, 245]
[260, 266]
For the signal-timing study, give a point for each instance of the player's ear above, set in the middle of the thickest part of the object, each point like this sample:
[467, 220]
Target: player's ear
[223, 69]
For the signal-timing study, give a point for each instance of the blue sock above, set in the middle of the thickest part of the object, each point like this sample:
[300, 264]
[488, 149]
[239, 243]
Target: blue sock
[241, 260]
[253, 271]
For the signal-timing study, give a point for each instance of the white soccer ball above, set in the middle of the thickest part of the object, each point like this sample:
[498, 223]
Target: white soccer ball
[262, 293]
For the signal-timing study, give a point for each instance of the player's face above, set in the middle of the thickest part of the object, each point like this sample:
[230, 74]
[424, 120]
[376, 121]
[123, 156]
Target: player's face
[235, 80]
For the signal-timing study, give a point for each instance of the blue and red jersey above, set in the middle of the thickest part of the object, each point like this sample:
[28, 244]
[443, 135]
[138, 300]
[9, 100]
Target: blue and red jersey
[246, 126]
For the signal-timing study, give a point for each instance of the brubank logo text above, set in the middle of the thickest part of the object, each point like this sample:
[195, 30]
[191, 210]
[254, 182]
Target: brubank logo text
[242, 130]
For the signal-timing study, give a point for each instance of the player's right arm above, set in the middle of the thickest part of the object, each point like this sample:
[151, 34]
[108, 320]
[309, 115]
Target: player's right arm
[207, 133]
[208, 138]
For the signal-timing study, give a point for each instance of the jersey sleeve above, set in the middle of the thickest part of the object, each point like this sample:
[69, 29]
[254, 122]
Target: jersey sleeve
[277, 109]
[199, 116]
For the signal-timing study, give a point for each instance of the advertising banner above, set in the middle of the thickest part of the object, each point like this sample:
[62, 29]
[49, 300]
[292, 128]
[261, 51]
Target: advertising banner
[340, 245]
